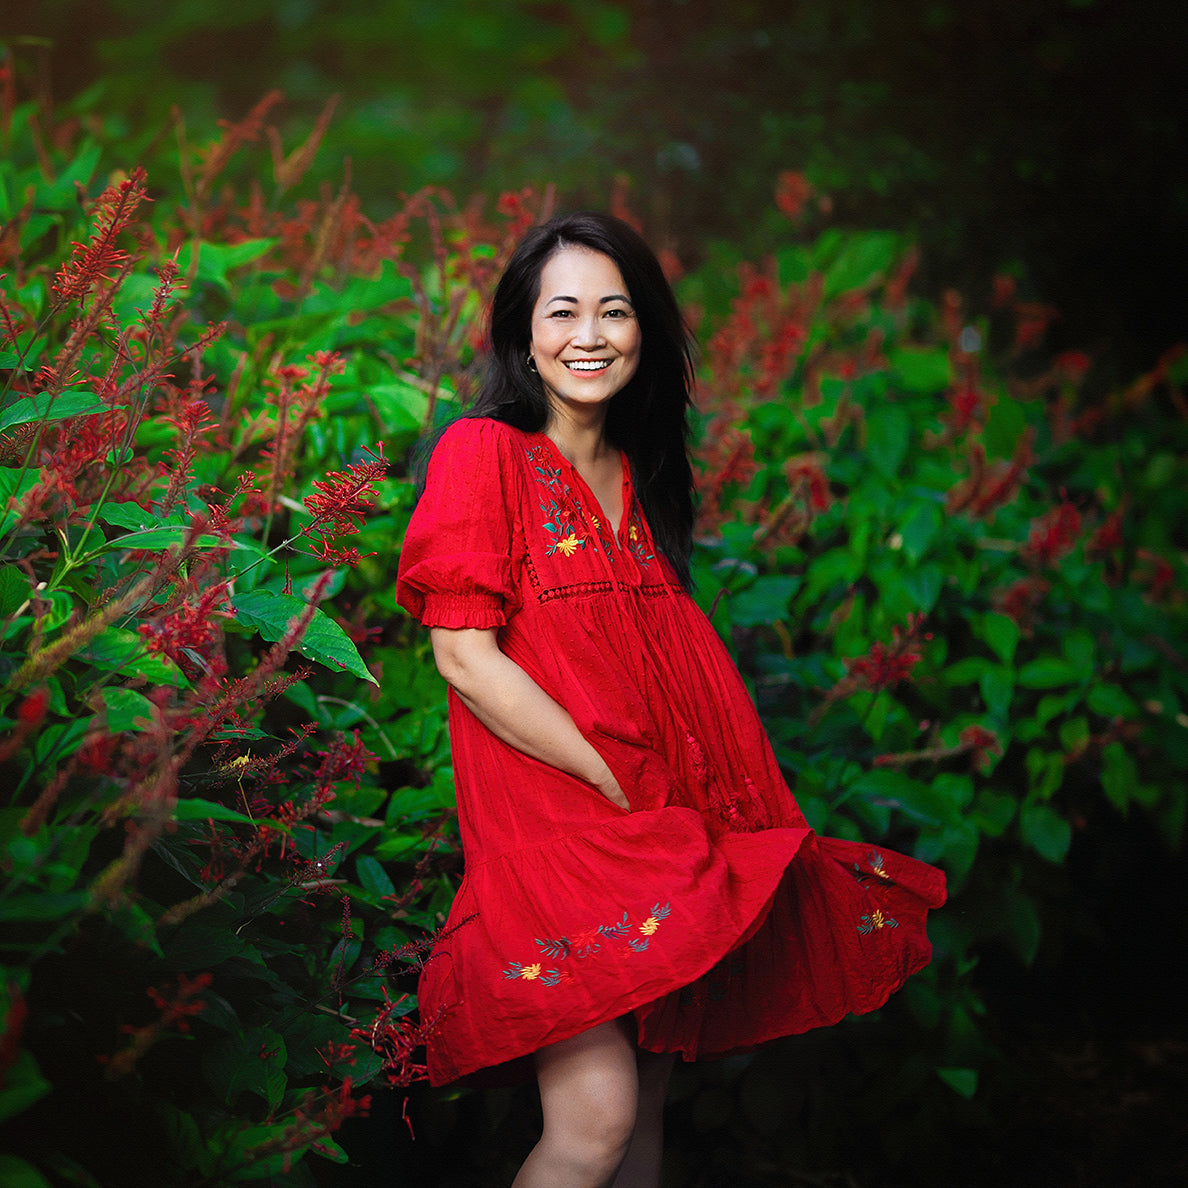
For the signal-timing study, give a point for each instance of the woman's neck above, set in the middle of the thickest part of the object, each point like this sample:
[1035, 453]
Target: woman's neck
[581, 439]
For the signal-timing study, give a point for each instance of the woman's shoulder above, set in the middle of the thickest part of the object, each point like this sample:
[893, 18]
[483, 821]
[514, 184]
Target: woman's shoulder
[478, 435]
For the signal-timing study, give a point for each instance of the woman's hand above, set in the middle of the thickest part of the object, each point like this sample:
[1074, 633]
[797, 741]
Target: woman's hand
[609, 787]
[516, 709]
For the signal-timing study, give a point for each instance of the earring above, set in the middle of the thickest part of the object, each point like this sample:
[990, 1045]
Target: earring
[531, 362]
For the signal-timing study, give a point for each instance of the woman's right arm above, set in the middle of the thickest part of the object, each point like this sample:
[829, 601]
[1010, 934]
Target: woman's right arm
[515, 708]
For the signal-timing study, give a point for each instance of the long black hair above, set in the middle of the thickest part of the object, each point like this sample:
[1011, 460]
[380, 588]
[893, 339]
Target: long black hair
[648, 418]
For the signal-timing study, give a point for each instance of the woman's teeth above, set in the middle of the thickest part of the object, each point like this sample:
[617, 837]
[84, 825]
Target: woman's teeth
[588, 365]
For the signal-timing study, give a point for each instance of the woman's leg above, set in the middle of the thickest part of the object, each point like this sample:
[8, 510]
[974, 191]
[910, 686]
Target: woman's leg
[641, 1168]
[589, 1092]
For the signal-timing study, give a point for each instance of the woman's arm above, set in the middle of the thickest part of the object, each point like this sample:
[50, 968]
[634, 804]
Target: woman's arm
[515, 708]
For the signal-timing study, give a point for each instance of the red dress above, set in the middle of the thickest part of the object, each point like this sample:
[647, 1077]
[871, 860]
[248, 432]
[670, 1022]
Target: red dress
[710, 910]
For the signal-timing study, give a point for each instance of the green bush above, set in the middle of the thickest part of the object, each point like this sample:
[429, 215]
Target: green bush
[955, 586]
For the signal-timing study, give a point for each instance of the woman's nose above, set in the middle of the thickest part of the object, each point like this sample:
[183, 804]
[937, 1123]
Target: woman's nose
[587, 333]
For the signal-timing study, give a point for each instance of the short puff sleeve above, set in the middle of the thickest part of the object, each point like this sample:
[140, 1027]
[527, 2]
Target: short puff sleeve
[455, 564]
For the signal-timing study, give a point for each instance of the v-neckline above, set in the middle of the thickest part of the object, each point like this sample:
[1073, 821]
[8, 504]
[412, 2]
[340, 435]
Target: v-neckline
[595, 506]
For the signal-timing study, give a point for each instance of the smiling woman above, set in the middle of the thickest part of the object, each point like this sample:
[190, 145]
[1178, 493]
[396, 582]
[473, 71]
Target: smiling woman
[640, 882]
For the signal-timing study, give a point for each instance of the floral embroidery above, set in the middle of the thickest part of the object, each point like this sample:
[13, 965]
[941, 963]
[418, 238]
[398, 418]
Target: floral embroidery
[637, 540]
[590, 942]
[877, 870]
[566, 545]
[565, 514]
[563, 511]
[876, 922]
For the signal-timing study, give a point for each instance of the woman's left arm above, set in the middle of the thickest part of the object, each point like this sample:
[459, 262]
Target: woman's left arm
[515, 708]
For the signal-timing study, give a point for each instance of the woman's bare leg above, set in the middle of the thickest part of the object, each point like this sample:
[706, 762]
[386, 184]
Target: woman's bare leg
[589, 1092]
[641, 1167]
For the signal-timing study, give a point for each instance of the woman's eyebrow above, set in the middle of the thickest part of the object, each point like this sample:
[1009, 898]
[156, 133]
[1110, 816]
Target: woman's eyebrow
[602, 301]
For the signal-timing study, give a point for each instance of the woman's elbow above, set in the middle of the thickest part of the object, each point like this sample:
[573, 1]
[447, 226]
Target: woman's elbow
[459, 656]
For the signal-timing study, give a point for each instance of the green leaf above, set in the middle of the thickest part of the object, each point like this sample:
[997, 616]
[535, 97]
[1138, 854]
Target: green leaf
[1005, 426]
[11, 489]
[215, 260]
[48, 407]
[999, 633]
[253, 1062]
[16, 1173]
[1045, 831]
[963, 1081]
[324, 640]
[184, 1137]
[923, 586]
[23, 1085]
[1080, 651]
[1110, 701]
[134, 517]
[372, 877]
[856, 260]
[765, 601]
[208, 810]
[127, 710]
[920, 530]
[998, 686]
[993, 812]
[40, 906]
[1046, 769]
[920, 370]
[400, 406]
[160, 538]
[1048, 673]
[888, 431]
[1119, 775]
[200, 946]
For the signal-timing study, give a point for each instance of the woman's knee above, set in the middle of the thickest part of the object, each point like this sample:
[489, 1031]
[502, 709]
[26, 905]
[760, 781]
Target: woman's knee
[590, 1093]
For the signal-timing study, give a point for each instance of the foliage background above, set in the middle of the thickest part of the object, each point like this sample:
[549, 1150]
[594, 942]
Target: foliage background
[863, 463]
[1045, 134]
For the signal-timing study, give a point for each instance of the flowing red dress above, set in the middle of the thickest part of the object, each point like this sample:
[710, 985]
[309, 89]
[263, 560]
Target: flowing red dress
[710, 911]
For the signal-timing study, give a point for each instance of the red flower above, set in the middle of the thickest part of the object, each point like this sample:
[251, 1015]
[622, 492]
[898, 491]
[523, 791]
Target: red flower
[804, 473]
[1053, 534]
[1020, 599]
[190, 629]
[1108, 535]
[980, 743]
[1003, 293]
[1072, 365]
[343, 761]
[339, 500]
[32, 710]
[101, 256]
[884, 667]
[793, 190]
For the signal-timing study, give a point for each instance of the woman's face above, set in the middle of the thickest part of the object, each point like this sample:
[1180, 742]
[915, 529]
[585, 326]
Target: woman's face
[585, 336]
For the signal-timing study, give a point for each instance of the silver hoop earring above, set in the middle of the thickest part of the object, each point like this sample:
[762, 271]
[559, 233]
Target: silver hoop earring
[532, 362]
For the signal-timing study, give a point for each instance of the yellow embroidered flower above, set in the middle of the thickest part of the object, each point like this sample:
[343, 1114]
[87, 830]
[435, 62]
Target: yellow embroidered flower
[570, 544]
[530, 972]
[877, 920]
[633, 534]
[649, 926]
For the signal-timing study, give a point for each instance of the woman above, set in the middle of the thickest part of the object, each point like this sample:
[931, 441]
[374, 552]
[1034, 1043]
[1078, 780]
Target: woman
[640, 879]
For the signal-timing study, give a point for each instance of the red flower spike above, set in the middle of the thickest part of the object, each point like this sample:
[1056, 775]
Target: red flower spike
[1053, 534]
[101, 256]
